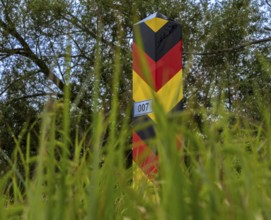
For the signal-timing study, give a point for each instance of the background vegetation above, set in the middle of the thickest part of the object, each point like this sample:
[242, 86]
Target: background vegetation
[65, 96]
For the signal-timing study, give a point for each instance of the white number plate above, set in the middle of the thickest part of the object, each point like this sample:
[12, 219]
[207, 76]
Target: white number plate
[142, 108]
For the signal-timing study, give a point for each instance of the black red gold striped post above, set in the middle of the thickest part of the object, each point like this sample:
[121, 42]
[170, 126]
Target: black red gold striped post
[157, 76]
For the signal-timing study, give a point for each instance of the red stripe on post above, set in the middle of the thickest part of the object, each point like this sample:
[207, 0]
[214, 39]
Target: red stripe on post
[168, 65]
[161, 71]
[144, 65]
[144, 156]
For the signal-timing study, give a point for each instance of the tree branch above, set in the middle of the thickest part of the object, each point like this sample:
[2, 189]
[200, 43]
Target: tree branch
[27, 52]
[9, 52]
[34, 96]
[232, 49]
[13, 82]
[77, 23]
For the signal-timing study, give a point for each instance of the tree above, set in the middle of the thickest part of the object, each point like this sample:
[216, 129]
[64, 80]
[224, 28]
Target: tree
[225, 44]
[233, 37]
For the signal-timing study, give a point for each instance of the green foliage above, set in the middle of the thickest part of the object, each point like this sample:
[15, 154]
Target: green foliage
[225, 174]
[34, 36]
[63, 147]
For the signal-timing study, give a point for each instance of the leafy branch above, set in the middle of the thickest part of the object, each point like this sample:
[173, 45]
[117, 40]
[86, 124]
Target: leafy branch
[28, 53]
[232, 49]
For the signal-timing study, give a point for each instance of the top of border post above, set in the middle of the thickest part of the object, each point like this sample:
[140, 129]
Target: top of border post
[152, 16]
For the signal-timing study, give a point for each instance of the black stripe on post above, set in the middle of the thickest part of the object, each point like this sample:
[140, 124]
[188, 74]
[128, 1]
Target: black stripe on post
[167, 37]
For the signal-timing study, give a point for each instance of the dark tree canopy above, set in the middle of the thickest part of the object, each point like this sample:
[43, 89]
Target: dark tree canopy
[43, 43]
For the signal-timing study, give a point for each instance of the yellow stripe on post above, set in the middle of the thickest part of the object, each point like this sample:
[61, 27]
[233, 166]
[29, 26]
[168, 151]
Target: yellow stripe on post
[166, 96]
[156, 23]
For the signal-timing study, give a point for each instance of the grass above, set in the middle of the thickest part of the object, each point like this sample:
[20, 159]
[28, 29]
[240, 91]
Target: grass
[222, 172]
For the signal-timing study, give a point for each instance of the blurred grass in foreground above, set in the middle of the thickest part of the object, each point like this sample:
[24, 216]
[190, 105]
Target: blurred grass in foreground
[222, 171]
